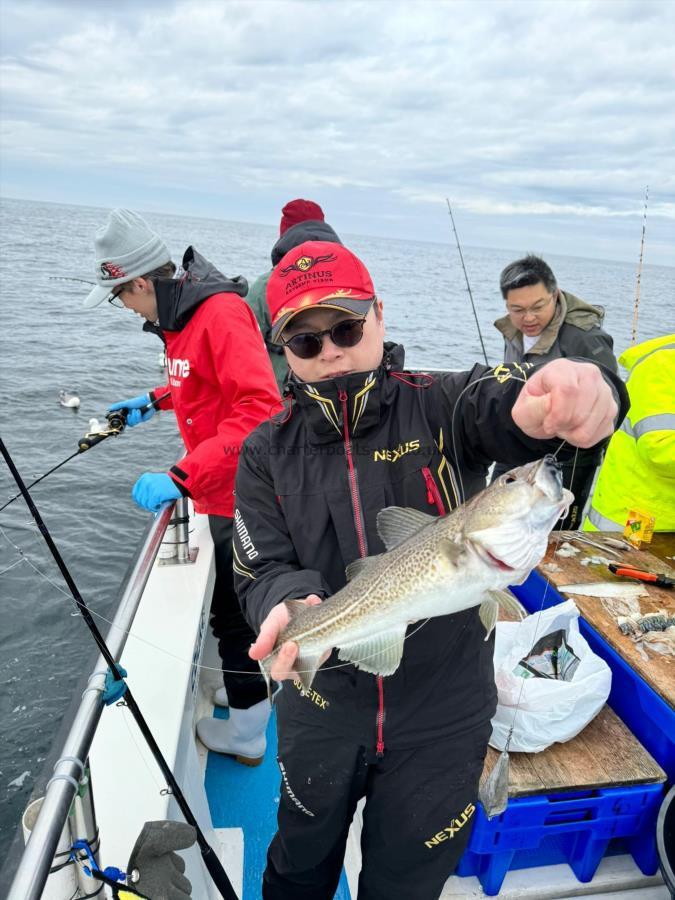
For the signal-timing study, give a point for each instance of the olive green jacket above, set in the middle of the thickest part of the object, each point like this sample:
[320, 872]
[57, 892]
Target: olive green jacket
[257, 301]
[574, 331]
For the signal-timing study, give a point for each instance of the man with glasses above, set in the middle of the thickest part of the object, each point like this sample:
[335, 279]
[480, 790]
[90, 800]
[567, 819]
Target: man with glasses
[220, 387]
[543, 323]
[359, 434]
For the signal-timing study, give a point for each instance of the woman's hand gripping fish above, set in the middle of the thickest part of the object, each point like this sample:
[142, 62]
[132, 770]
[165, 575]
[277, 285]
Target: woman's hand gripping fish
[433, 567]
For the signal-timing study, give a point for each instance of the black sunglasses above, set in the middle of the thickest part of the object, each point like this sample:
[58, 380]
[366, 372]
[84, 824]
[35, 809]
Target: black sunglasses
[307, 345]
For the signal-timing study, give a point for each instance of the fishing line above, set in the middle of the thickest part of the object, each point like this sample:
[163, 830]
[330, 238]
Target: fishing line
[70, 278]
[300, 671]
[117, 423]
[467, 387]
[468, 286]
[211, 861]
[187, 662]
[38, 480]
[151, 772]
[555, 455]
[25, 558]
[557, 535]
[10, 567]
[168, 653]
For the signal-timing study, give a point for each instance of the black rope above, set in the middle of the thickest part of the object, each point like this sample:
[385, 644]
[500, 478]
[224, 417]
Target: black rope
[211, 861]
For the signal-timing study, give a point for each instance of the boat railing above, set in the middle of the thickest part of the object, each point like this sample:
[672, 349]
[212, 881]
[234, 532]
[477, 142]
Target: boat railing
[69, 770]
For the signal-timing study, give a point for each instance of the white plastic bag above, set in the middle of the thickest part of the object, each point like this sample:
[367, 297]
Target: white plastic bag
[547, 710]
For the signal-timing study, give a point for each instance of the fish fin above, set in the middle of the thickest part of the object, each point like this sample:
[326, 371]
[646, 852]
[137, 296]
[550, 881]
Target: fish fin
[488, 612]
[379, 655]
[508, 602]
[305, 667]
[360, 565]
[452, 550]
[395, 524]
[494, 791]
[295, 607]
[266, 668]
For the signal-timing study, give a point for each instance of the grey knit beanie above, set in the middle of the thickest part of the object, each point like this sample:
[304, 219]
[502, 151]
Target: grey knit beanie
[125, 248]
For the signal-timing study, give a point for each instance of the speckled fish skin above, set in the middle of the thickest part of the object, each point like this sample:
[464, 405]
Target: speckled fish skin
[433, 567]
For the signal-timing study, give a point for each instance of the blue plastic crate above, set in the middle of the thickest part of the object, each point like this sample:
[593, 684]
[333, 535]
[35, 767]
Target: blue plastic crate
[648, 716]
[575, 827]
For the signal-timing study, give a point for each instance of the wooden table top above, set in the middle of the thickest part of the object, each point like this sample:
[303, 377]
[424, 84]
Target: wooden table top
[659, 669]
[603, 755]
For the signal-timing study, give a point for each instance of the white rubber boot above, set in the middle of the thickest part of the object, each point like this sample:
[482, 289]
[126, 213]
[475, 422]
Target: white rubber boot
[220, 697]
[241, 736]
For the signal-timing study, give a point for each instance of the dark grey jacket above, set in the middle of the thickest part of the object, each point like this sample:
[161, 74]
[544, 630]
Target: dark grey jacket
[574, 331]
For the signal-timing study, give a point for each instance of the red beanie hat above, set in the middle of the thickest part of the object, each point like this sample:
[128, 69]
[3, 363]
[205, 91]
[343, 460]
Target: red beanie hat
[299, 211]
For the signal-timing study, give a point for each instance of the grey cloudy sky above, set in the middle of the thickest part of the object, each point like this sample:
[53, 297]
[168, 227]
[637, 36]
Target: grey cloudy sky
[542, 121]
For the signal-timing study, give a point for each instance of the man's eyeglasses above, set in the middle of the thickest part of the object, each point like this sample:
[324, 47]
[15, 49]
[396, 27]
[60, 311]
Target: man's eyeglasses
[307, 345]
[116, 300]
[537, 308]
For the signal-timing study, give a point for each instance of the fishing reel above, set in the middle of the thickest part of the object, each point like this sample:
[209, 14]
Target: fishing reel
[116, 422]
[117, 419]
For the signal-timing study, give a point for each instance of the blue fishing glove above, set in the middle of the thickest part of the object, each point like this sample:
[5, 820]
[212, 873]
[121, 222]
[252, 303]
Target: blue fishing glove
[135, 416]
[154, 488]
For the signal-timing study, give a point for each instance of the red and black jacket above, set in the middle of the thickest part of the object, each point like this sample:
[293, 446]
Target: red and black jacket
[220, 378]
[309, 486]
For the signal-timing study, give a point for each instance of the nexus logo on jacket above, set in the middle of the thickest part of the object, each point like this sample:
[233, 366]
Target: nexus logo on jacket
[178, 368]
[392, 455]
[452, 829]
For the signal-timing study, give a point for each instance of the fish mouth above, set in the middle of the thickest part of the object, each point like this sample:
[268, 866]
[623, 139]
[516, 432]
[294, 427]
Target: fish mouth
[490, 558]
[547, 476]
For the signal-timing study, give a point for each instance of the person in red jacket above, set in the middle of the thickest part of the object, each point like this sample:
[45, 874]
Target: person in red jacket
[221, 386]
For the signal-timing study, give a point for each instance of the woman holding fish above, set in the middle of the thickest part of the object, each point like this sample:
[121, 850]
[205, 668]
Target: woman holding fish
[400, 710]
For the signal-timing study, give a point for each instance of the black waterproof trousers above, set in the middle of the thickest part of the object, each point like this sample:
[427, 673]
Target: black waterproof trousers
[420, 807]
[241, 674]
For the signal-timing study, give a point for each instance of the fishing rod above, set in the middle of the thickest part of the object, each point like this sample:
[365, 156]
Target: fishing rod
[211, 861]
[633, 336]
[117, 422]
[468, 286]
[70, 278]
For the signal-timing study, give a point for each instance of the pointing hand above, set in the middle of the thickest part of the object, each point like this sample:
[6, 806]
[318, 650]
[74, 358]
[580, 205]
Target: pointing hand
[569, 400]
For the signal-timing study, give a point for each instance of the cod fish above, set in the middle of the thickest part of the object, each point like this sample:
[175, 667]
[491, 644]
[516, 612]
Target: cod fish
[433, 566]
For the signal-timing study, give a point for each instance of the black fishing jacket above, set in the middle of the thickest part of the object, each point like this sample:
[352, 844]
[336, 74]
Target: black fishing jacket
[309, 486]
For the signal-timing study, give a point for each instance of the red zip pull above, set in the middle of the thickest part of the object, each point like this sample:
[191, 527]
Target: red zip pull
[433, 494]
[427, 478]
[379, 746]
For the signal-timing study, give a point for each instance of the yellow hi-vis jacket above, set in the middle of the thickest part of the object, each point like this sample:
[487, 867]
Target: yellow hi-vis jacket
[639, 467]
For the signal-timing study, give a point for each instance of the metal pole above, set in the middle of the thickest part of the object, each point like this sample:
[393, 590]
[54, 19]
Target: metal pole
[83, 827]
[176, 550]
[36, 861]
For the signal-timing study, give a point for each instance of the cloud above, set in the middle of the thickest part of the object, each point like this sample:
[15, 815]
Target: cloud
[512, 108]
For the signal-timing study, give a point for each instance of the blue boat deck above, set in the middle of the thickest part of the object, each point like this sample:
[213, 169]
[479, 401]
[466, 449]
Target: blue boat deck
[248, 798]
